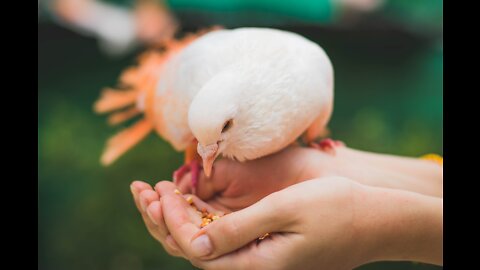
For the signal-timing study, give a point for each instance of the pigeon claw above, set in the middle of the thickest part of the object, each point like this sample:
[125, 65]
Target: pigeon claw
[328, 145]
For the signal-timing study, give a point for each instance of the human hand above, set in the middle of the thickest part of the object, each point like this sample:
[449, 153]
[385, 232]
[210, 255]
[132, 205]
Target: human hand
[236, 185]
[233, 186]
[296, 213]
[148, 204]
[331, 223]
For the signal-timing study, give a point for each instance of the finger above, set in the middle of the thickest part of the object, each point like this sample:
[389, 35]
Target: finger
[170, 241]
[237, 229]
[143, 194]
[201, 205]
[154, 213]
[171, 247]
[167, 242]
[153, 219]
[179, 221]
[165, 187]
[136, 187]
[240, 259]
[243, 258]
[146, 197]
[270, 253]
[153, 216]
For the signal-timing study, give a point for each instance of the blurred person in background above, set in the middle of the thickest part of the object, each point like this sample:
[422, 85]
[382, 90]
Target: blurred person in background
[118, 28]
[121, 26]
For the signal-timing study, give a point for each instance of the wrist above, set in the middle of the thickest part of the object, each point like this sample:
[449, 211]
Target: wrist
[396, 225]
[388, 171]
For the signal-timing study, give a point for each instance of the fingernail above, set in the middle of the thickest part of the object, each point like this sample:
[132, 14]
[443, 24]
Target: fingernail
[132, 189]
[202, 246]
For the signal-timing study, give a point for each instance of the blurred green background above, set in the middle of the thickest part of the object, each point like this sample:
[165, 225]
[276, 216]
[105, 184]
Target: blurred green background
[388, 98]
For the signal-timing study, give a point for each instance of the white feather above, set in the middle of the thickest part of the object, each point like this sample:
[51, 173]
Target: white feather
[273, 84]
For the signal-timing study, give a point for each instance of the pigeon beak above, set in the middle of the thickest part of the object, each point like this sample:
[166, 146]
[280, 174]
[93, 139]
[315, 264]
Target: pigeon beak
[208, 154]
[207, 165]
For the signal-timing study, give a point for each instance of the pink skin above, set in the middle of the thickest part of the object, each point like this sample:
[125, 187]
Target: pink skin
[329, 216]
[209, 154]
[237, 185]
[149, 205]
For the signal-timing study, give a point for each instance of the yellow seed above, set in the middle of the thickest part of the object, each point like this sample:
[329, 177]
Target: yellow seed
[264, 236]
[177, 191]
[190, 199]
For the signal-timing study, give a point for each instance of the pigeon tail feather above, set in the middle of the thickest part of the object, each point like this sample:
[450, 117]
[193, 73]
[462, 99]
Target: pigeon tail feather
[136, 95]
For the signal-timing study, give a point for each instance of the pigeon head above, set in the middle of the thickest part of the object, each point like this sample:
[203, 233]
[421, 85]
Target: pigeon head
[242, 116]
[213, 119]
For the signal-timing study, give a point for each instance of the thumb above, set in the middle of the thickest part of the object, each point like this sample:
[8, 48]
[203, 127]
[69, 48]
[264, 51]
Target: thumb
[237, 229]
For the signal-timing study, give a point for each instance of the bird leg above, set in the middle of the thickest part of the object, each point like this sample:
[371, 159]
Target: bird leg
[328, 145]
[192, 165]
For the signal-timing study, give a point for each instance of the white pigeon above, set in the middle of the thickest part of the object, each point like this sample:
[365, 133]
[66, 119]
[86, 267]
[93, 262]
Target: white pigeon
[243, 93]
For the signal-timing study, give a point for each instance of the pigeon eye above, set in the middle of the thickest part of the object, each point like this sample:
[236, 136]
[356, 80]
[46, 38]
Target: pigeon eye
[227, 125]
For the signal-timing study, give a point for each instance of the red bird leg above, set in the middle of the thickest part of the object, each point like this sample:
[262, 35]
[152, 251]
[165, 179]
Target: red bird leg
[180, 172]
[193, 167]
[328, 145]
[195, 174]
